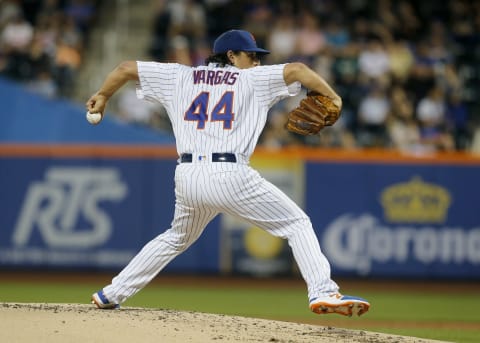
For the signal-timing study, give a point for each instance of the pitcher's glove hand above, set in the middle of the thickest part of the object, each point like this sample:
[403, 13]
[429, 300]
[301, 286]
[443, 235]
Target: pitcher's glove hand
[314, 112]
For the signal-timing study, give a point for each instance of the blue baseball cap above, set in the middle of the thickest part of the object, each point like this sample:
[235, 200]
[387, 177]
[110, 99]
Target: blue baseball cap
[237, 40]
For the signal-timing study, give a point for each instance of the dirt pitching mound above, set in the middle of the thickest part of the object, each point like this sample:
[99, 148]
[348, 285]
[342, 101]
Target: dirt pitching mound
[82, 323]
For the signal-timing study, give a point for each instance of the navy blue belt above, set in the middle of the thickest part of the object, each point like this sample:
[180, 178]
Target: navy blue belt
[216, 157]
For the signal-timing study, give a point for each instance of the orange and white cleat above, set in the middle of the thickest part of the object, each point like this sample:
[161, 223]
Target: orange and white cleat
[345, 305]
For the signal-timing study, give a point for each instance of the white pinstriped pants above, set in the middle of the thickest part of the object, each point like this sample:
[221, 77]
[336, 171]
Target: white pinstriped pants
[203, 190]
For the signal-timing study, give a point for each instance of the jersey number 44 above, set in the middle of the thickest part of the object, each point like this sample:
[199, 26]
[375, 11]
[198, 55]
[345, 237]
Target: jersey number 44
[222, 111]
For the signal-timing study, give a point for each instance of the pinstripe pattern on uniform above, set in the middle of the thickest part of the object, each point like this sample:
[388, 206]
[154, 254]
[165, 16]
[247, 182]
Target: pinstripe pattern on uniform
[252, 198]
[239, 191]
[263, 85]
[204, 189]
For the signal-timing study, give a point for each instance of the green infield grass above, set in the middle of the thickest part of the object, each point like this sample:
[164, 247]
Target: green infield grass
[449, 317]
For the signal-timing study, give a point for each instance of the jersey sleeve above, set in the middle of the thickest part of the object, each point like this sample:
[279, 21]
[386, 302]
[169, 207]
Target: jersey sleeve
[270, 85]
[156, 80]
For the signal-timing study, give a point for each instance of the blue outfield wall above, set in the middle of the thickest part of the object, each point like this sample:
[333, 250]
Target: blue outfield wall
[372, 219]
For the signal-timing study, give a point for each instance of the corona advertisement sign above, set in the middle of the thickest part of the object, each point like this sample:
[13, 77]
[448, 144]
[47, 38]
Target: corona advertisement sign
[397, 220]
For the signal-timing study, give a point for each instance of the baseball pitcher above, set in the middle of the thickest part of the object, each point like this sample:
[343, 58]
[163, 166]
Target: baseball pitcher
[218, 112]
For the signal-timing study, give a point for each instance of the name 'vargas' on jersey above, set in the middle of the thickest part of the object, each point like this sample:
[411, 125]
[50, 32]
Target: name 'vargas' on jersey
[214, 77]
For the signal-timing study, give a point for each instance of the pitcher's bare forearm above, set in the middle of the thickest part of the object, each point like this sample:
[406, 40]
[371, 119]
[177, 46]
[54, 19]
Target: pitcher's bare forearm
[124, 72]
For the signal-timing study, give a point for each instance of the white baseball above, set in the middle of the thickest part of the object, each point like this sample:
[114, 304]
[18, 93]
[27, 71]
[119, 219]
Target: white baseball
[94, 118]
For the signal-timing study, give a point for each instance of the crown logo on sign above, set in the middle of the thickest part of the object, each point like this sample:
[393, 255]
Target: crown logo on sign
[415, 201]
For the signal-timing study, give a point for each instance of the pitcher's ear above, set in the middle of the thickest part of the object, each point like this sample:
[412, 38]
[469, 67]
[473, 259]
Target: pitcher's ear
[231, 56]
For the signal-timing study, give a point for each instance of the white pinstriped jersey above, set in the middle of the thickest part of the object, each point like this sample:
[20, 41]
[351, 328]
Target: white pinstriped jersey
[214, 109]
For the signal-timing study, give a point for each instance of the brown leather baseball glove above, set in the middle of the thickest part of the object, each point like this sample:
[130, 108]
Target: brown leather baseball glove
[314, 112]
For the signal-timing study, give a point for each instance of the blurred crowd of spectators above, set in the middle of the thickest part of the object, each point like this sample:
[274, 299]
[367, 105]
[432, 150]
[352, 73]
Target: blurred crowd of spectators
[41, 42]
[408, 71]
